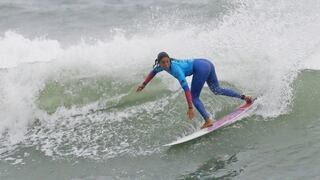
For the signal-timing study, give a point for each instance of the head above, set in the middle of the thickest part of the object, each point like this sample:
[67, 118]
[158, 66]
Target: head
[163, 60]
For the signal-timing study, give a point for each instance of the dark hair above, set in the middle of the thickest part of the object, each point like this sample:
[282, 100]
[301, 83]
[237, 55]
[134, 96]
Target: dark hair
[159, 57]
[156, 62]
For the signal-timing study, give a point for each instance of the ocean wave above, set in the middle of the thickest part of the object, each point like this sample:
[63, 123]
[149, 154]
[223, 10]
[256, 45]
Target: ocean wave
[259, 48]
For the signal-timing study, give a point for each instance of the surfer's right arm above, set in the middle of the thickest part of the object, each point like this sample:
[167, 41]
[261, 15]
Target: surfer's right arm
[149, 77]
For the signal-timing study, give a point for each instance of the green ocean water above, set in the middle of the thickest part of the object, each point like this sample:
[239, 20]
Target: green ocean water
[284, 147]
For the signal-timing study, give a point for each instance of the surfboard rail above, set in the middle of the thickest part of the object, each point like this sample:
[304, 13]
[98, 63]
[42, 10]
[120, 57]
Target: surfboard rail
[230, 118]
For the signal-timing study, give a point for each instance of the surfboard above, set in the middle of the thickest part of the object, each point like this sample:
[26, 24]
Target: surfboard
[234, 116]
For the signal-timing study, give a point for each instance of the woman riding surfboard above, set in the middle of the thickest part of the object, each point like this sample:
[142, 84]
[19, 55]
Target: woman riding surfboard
[203, 71]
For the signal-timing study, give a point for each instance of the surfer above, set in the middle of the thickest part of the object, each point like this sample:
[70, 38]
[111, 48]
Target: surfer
[203, 71]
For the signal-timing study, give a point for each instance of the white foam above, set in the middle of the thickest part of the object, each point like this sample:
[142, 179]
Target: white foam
[16, 49]
[260, 47]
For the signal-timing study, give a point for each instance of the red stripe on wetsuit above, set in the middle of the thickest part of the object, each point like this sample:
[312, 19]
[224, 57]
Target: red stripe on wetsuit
[189, 97]
[185, 88]
[149, 77]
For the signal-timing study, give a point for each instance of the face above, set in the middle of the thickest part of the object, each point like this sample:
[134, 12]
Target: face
[165, 63]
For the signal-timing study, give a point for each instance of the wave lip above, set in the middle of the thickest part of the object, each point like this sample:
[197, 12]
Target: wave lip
[16, 49]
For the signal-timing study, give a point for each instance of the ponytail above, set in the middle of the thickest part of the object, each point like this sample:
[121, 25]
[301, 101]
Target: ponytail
[156, 62]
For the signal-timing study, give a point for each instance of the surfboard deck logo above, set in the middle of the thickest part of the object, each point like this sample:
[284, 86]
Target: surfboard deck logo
[234, 116]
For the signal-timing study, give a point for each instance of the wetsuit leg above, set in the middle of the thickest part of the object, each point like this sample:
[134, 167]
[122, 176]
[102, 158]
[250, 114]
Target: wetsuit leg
[201, 71]
[214, 86]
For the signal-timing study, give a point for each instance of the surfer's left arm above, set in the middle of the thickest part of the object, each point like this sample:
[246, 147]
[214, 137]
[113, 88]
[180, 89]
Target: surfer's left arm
[149, 78]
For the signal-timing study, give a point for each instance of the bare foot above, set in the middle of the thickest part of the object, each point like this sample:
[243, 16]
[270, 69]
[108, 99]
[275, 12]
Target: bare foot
[208, 123]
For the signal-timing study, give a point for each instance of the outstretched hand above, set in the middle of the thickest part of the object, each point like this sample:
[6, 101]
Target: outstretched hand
[190, 113]
[248, 99]
[140, 88]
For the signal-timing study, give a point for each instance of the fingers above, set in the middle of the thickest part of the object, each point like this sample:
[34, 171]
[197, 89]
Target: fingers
[139, 88]
[190, 114]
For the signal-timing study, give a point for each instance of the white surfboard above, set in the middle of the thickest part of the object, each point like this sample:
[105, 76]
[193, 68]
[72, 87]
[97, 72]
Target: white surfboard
[226, 120]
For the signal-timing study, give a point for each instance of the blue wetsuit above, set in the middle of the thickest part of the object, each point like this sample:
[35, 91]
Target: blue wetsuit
[179, 69]
[203, 71]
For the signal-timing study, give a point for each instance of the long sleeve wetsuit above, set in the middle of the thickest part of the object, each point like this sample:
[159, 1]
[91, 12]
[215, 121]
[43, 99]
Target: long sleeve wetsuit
[203, 71]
